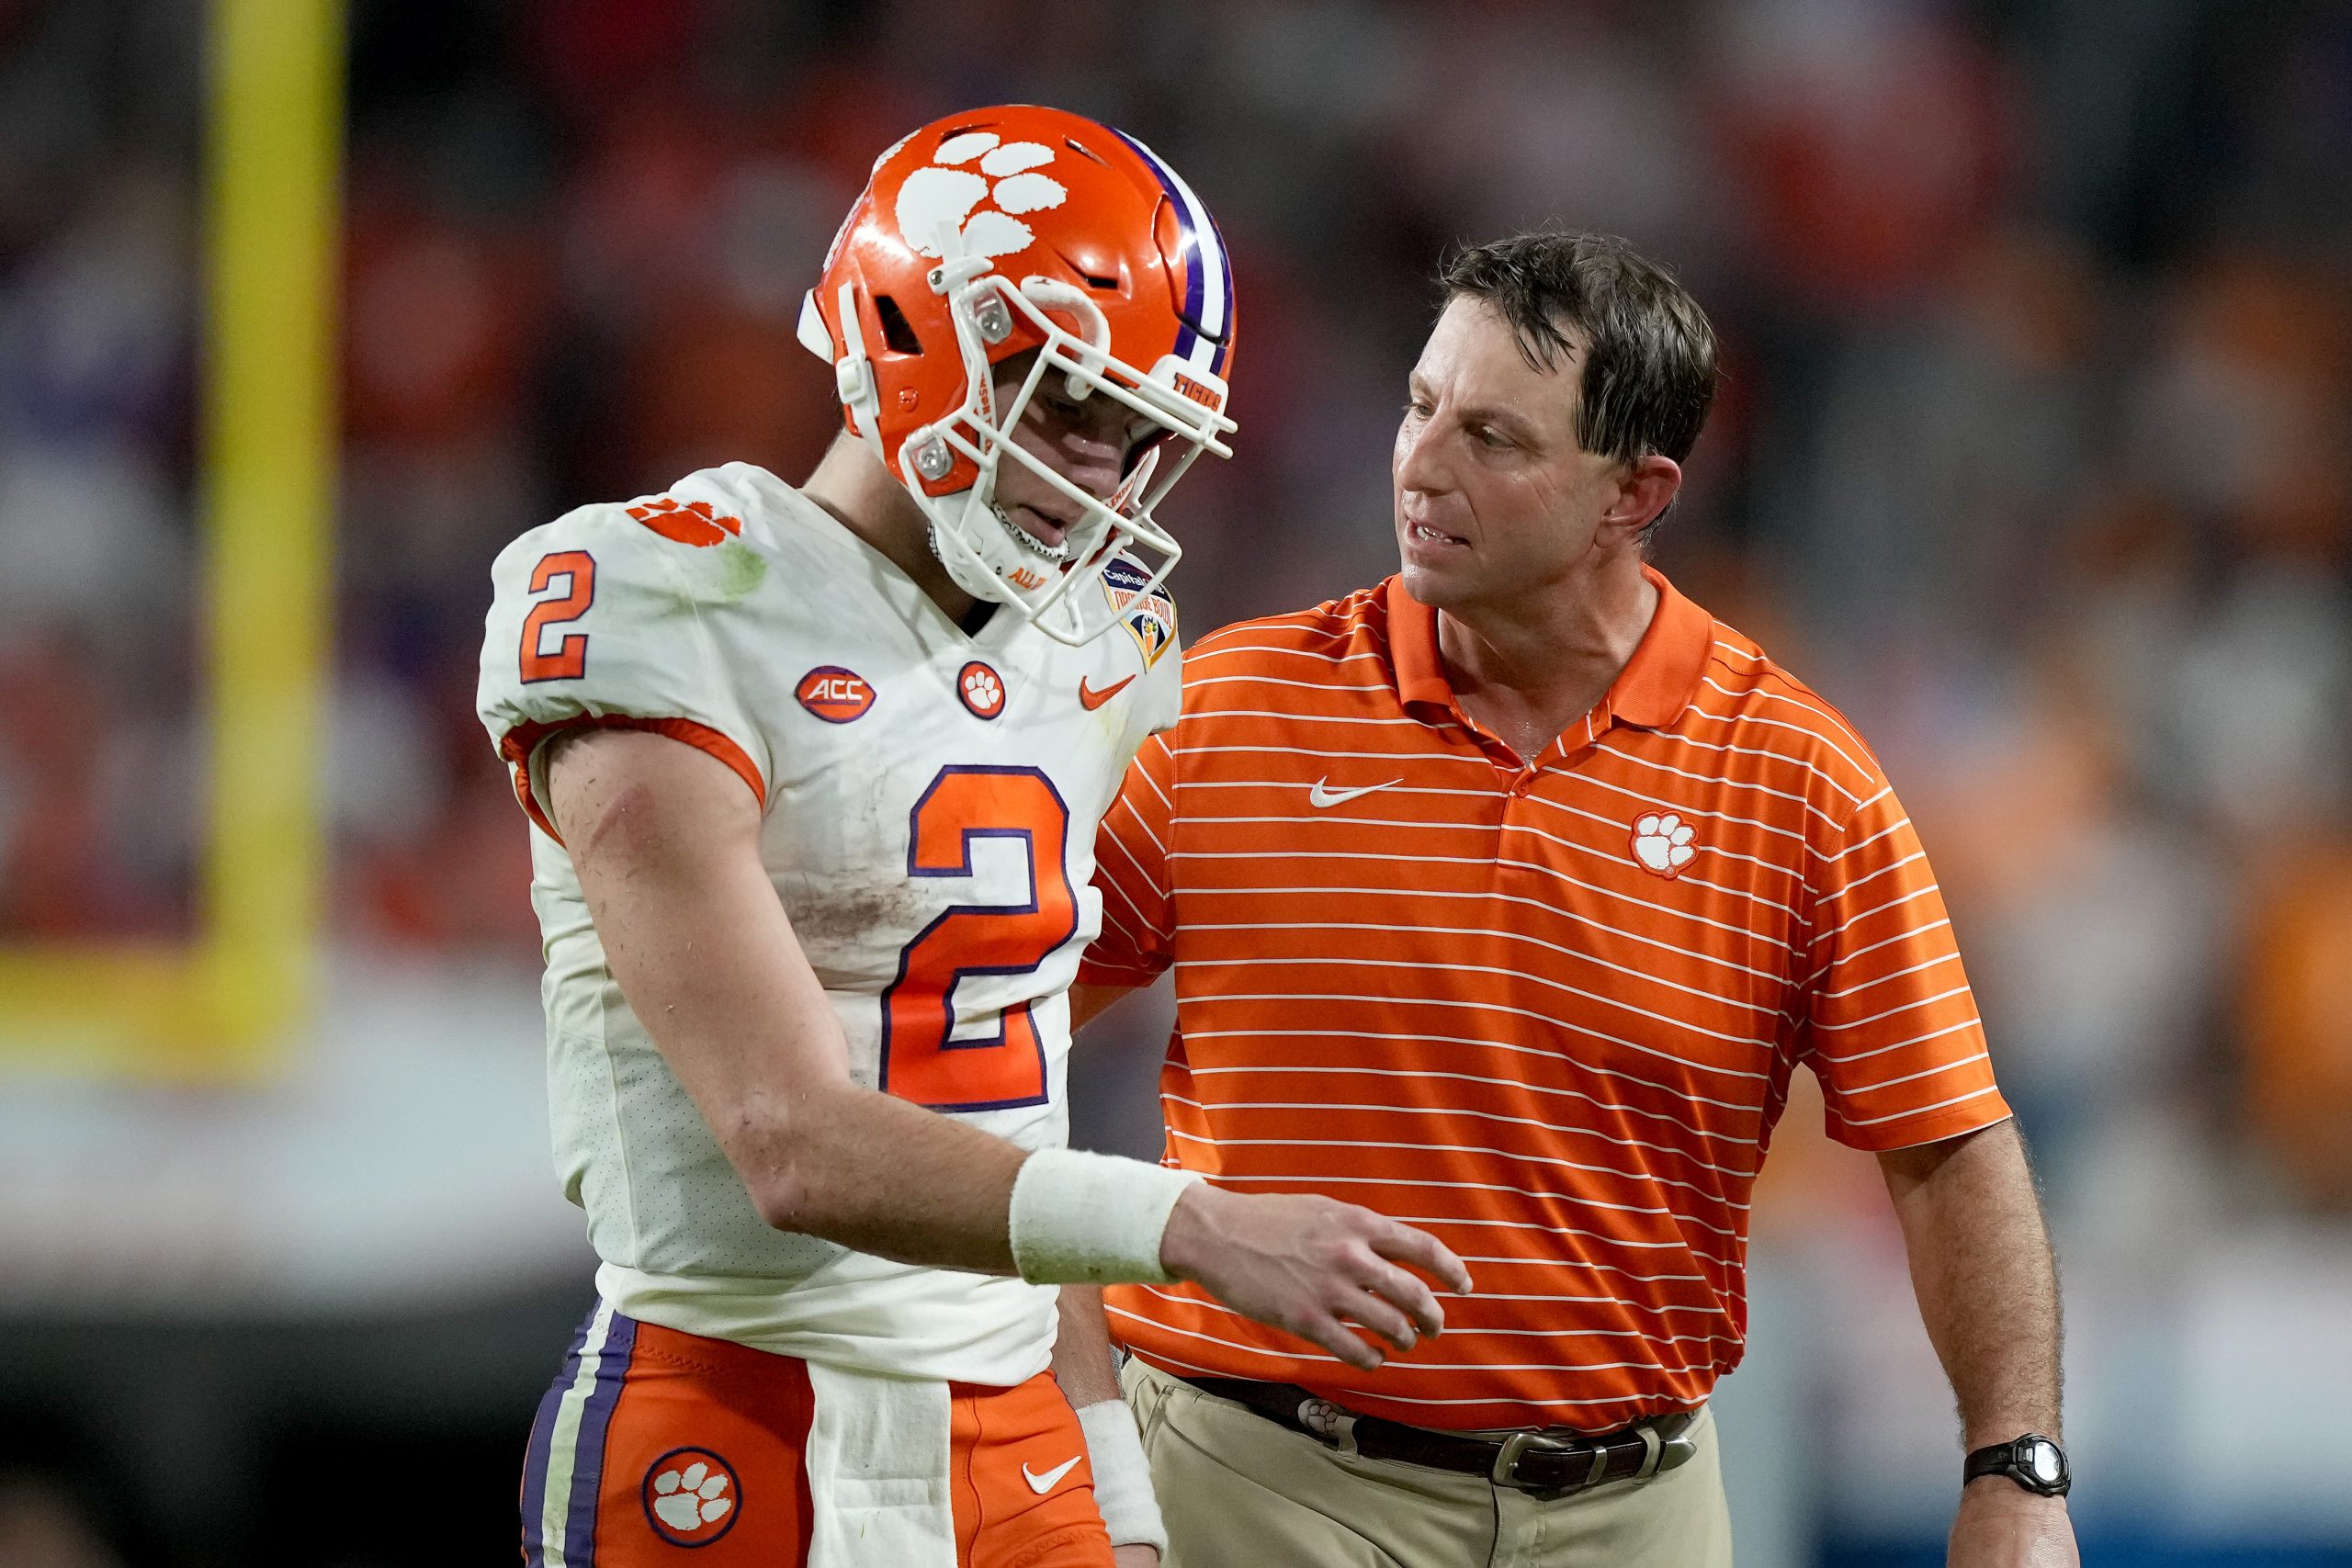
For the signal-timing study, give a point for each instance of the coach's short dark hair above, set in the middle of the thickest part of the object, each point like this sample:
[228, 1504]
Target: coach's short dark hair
[1649, 368]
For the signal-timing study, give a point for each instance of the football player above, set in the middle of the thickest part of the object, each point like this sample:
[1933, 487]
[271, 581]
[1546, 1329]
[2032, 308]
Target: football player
[814, 776]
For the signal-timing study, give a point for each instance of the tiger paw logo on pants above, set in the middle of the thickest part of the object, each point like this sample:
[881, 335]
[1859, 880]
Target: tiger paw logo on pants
[967, 170]
[690, 1497]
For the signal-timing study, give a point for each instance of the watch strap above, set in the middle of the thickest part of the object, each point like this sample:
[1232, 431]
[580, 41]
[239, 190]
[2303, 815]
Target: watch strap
[2016, 1460]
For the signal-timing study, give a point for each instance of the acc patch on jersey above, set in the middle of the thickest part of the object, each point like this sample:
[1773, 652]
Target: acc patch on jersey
[1150, 618]
[835, 694]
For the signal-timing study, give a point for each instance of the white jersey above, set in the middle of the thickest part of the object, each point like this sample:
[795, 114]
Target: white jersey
[931, 799]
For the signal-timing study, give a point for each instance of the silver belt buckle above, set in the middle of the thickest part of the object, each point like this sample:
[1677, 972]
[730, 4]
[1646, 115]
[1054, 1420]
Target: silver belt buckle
[1505, 1470]
[1674, 1452]
[1659, 1454]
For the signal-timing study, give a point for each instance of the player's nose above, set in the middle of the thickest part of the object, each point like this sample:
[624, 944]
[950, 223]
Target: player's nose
[1090, 458]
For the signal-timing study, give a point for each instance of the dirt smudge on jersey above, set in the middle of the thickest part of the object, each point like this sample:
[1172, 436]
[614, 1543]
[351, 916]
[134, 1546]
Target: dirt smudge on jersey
[853, 933]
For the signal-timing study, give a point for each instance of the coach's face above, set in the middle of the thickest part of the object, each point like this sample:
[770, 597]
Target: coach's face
[1495, 499]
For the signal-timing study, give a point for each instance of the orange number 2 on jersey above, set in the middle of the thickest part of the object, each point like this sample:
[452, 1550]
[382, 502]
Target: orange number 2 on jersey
[569, 660]
[920, 1061]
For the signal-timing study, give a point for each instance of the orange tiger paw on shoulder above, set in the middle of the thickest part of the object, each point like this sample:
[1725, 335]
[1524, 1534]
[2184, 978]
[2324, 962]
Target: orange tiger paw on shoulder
[695, 523]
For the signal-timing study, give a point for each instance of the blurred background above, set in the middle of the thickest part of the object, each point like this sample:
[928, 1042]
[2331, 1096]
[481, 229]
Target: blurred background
[2032, 456]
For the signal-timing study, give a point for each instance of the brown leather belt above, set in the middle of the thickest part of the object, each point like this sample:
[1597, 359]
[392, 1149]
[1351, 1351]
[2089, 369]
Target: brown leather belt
[1546, 1466]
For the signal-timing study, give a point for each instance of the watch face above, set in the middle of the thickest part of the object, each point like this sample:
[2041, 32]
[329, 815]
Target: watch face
[2041, 1458]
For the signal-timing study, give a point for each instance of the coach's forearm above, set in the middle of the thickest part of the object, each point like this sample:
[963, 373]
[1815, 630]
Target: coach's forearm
[1986, 1278]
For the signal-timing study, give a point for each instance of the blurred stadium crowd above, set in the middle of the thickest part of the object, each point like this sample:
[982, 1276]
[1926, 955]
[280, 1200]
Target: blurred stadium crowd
[2032, 454]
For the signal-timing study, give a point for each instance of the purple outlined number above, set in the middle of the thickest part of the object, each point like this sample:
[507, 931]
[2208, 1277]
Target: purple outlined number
[919, 1062]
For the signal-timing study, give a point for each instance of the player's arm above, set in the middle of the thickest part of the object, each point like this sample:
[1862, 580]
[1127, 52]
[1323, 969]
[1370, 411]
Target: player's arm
[1987, 1285]
[1090, 1381]
[666, 839]
[666, 843]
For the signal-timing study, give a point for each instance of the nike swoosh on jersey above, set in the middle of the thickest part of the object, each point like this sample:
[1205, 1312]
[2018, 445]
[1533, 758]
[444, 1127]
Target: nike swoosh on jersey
[1041, 1485]
[1318, 794]
[1091, 699]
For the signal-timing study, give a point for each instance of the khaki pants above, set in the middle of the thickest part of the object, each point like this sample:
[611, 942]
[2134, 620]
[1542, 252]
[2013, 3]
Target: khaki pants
[1240, 1492]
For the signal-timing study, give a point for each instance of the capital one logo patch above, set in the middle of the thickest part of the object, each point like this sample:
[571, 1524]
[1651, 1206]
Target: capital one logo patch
[690, 1497]
[967, 170]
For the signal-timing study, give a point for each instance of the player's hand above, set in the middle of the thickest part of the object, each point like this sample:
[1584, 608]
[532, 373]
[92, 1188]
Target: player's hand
[1134, 1557]
[2001, 1524]
[1311, 1266]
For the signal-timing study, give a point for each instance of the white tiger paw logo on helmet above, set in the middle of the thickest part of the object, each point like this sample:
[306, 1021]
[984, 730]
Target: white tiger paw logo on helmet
[978, 166]
[1662, 843]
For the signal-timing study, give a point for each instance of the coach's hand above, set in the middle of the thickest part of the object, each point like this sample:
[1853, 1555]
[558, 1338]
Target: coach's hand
[2001, 1524]
[1311, 1266]
[1134, 1557]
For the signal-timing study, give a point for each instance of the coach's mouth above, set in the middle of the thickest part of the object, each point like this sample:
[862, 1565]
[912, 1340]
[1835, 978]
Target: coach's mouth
[1420, 539]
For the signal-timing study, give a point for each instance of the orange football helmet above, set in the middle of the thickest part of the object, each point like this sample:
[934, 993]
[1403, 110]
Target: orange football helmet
[985, 235]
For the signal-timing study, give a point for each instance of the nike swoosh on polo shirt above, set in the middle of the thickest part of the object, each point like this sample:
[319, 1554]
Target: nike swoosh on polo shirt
[1320, 793]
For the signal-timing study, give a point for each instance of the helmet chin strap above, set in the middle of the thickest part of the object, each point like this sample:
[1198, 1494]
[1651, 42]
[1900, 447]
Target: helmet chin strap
[980, 560]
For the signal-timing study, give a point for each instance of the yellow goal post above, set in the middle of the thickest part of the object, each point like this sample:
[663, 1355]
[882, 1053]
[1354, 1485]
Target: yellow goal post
[224, 1006]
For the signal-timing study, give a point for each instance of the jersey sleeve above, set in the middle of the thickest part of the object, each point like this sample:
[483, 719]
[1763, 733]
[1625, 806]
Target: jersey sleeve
[597, 619]
[1889, 1025]
[1131, 873]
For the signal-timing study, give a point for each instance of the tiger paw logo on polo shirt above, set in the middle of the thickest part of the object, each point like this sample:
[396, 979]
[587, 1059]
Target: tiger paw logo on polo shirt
[690, 1497]
[1662, 843]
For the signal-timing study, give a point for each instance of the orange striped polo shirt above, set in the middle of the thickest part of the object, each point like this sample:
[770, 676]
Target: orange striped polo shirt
[1546, 1011]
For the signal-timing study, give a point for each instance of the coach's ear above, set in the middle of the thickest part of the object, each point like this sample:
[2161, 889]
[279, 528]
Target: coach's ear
[1646, 488]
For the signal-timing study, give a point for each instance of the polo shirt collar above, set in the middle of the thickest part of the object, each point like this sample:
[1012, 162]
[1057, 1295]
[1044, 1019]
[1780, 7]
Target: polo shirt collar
[1652, 691]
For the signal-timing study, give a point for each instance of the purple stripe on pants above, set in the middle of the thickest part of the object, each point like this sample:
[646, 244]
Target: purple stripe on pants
[535, 1458]
[588, 1459]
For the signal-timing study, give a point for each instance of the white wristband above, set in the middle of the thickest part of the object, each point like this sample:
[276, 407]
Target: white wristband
[1122, 1476]
[1083, 1219]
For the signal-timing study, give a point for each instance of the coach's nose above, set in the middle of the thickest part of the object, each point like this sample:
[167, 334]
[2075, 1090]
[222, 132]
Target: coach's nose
[1418, 465]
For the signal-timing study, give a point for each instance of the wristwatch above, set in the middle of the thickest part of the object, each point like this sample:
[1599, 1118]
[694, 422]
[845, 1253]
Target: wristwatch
[2034, 1462]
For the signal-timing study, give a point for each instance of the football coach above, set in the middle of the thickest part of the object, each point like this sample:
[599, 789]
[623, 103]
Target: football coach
[1505, 897]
